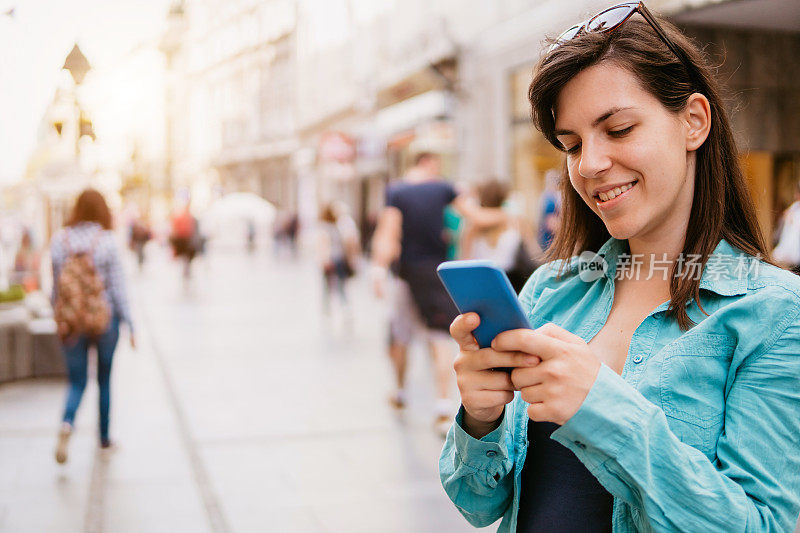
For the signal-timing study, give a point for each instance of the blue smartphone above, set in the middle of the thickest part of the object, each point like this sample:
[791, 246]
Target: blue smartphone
[481, 287]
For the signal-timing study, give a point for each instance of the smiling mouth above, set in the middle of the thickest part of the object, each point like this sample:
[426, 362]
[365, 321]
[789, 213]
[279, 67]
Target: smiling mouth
[607, 196]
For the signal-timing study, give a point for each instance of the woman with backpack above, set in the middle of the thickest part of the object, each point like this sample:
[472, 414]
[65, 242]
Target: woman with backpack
[90, 301]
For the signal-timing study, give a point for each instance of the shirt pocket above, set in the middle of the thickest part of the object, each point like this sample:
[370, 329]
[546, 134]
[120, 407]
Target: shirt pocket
[693, 378]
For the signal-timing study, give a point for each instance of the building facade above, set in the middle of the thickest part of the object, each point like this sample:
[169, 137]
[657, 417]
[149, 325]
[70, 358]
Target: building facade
[230, 91]
[310, 101]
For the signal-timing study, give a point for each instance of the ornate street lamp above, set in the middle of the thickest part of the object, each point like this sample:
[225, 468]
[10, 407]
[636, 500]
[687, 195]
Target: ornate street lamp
[77, 64]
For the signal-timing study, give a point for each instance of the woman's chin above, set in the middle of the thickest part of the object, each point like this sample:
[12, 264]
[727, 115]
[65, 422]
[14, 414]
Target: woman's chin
[621, 231]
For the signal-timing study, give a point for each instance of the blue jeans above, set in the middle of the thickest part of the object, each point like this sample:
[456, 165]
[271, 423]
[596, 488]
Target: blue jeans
[77, 354]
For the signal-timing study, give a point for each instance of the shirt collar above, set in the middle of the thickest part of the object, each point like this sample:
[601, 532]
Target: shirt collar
[726, 272]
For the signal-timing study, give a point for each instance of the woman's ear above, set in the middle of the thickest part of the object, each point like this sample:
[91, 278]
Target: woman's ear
[697, 118]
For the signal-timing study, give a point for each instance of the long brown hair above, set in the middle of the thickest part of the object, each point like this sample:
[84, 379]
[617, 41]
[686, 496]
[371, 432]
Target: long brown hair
[91, 207]
[722, 206]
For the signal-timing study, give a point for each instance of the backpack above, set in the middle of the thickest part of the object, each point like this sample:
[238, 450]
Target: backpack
[80, 304]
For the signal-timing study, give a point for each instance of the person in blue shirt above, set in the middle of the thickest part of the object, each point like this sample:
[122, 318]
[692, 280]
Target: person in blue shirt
[659, 388]
[550, 207]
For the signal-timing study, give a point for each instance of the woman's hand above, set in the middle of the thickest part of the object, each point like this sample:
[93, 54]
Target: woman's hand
[555, 388]
[484, 391]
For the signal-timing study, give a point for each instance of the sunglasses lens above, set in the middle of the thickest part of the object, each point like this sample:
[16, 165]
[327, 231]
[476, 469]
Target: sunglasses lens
[610, 18]
[569, 34]
[564, 37]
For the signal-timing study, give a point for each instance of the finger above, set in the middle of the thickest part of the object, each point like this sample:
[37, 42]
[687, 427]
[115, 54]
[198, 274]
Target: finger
[527, 377]
[534, 394]
[496, 380]
[488, 358]
[532, 342]
[557, 332]
[538, 412]
[461, 330]
[487, 399]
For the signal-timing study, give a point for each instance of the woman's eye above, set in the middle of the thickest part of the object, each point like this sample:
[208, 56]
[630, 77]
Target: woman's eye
[573, 149]
[620, 133]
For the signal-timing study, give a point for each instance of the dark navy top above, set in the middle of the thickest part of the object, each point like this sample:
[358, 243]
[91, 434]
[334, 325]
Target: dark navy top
[422, 205]
[559, 494]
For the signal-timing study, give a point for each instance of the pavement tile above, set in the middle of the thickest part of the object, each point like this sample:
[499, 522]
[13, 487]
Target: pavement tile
[154, 507]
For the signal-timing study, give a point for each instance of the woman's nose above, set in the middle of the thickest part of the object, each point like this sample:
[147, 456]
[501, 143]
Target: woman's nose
[594, 160]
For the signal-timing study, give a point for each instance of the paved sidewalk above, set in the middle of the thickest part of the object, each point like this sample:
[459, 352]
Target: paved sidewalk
[243, 409]
[146, 484]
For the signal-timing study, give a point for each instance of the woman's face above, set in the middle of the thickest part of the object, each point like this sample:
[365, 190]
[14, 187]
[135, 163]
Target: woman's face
[626, 154]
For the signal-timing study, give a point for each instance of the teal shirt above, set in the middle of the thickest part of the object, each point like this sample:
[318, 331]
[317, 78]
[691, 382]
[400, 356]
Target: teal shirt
[701, 432]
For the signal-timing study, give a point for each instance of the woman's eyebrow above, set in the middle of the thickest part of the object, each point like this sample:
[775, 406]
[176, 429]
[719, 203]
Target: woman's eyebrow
[596, 121]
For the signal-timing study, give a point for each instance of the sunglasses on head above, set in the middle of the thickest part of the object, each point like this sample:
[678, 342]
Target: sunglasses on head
[615, 16]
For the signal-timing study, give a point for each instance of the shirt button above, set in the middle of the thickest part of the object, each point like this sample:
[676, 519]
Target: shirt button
[637, 359]
[580, 445]
[491, 453]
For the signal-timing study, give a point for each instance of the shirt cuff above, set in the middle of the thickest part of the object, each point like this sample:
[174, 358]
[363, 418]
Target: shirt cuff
[483, 453]
[605, 419]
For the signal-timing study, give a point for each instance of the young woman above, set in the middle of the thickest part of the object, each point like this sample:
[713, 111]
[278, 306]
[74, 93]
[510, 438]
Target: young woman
[88, 231]
[500, 242]
[336, 253]
[660, 387]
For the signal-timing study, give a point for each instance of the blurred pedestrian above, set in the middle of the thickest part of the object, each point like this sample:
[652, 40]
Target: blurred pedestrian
[292, 229]
[351, 236]
[410, 232]
[140, 235]
[787, 251]
[251, 235]
[286, 227]
[453, 232]
[334, 258]
[185, 238]
[502, 242]
[658, 390]
[27, 264]
[90, 302]
[550, 209]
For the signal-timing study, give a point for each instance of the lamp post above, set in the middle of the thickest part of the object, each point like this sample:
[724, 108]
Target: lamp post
[170, 46]
[54, 202]
[78, 66]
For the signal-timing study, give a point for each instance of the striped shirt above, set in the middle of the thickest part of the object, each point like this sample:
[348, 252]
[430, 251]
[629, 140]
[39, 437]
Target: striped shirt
[80, 238]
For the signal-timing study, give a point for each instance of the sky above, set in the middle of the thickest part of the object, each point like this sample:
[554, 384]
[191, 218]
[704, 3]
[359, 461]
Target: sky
[36, 40]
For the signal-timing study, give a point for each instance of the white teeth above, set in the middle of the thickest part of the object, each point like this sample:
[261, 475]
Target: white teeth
[613, 193]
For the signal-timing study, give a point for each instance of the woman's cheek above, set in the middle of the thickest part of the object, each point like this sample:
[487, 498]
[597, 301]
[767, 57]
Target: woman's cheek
[577, 183]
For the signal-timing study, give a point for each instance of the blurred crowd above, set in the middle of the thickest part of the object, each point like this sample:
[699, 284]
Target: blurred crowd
[426, 220]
